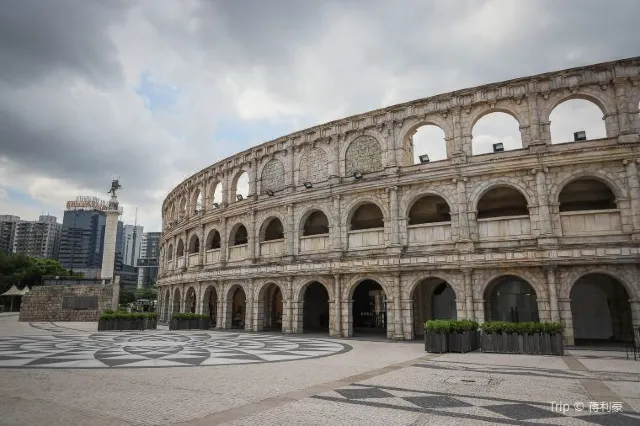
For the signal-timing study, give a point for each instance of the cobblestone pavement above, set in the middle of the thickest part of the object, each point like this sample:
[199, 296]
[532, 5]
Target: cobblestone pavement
[377, 382]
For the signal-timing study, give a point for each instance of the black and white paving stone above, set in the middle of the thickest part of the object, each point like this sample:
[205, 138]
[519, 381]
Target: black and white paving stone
[158, 349]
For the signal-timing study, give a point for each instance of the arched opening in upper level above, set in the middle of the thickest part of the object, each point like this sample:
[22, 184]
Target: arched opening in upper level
[194, 244]
[502, 201]
[240, 187]
[574, 116]
[180, 249]
[586, 194]
[197, 204]
[494, 129]
[429, 209]
[240, 236]
[170, 252]
[367, 216]
[216, 197]
[427, 144]
[315, 224]
[273, 230]
[183, 206]
[213, 240]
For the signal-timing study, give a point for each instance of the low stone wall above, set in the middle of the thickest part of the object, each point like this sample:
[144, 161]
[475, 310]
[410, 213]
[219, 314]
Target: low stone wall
[66, 303]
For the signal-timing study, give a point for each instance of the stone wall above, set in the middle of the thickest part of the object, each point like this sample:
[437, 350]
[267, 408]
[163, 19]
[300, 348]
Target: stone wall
[44, 304]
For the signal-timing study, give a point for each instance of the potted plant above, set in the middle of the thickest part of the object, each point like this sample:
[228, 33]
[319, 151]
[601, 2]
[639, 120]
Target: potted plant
[436, 336]
[189, 321]
[524, 338]
[463, 336]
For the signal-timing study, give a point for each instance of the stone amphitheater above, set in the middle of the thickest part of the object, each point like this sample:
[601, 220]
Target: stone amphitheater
[341, 233]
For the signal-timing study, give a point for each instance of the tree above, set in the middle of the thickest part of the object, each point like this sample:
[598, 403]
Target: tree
[146, 293]
[127, 297]
[23, 270]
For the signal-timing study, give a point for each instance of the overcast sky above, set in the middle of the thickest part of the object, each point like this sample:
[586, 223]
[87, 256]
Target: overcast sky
[153, 91]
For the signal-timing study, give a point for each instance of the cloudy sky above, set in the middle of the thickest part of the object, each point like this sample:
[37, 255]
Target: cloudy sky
[154, 90]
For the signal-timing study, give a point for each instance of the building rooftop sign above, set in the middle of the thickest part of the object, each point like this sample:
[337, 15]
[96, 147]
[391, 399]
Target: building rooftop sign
[88, 203]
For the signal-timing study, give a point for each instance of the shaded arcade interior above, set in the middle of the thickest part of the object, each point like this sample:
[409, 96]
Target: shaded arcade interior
[369, 308]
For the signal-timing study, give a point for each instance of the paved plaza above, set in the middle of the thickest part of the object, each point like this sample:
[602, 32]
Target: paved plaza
[68, 373]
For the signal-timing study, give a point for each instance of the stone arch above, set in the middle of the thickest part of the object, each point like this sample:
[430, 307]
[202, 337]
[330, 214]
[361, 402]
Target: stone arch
[312, 311]
[313, 166]
[183, 205]
[412, 125]
[488, 185]
[449, 279]
[191, 300]
[213, 241]
[586, 194]
[237, 312]
[432, 297]
[270, 310]
[214, 187]
[210, 302]
[363, 153]
[368, 305]
[519, 305]
[272, 176]
[176, 301]
[488, 116]
[594, 96]
[180, 248]
[315, 215]
[238, 239]
[356, 204]
[272, 228]
[575, 115]
[347, 293]
[298, 292]
[424, 209]
[233, 189]
[565, 285]
[197, 203]
[194, 244]
[538, 287]
[563, 179]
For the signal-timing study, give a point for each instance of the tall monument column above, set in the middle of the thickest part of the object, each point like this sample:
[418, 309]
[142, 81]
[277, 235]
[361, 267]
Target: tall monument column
[110, 234]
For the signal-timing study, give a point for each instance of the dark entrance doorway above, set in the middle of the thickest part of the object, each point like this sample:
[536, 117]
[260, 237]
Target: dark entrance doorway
[315, 309]
[239, 308]
[369, 309]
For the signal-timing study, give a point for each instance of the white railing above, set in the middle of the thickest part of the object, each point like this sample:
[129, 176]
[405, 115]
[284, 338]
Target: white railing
[194, 259]
[313, 243]
[504, 227]
[272, 248]
[426, 233]
[238, 252]
[180, 262]
[212, 256]
[589, 222]
[366, 238]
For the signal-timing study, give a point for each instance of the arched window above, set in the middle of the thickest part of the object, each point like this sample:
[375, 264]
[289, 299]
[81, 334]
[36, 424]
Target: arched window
[240, 237]
[502, 201]
[429, 209]
[586, 194]
[367, 216]
[273, 230]
[216, 197]
[428, 140]
[495, 128]
[196, 203]
[213, 240]
[180, 250]
[170, 253]
[240, 187]
[573, 116]
[316, 224]
[194, 244]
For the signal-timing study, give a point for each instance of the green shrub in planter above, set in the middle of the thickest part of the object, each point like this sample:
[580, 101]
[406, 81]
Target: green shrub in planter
[523, 337]
[189, 321]
[450, 336]
[121, 320]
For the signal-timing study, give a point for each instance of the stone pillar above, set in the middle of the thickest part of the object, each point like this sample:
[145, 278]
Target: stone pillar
[634, 195]
[202, 246]
[115, 298]
[252, 236]
[291, 234]
[554, 306]
[566, 318]
[288, 307]
[393, 199]
[397, 309]
[543, 203]
[110, 235]
[468, 293]
[253, 180]
[337, 304]
[334, 167]
[226, 193]
[337, 225]
[392, 148]
[290, 153]
[248, 314]
[224, 241]
[463, 219]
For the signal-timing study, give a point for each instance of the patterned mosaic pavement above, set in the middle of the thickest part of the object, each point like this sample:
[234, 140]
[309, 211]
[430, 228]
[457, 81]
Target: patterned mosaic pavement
[157, 349]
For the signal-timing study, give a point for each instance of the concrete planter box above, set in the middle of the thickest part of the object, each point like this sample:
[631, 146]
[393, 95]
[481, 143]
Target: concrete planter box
[190, 324]
[531, 344]
[463, 342]
[436, 342]
[127, 324]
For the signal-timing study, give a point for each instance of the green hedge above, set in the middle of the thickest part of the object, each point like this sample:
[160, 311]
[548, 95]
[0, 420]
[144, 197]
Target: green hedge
[109, 314]
[446, 326]
[521, 327]
[189, 315]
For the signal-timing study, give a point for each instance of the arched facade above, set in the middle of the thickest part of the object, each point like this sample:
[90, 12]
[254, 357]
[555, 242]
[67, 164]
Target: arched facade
[396, 235]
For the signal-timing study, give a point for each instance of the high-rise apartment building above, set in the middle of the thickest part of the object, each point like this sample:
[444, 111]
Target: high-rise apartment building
[8, 226]
[149, 259]
[39, 238]
[132, 236]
